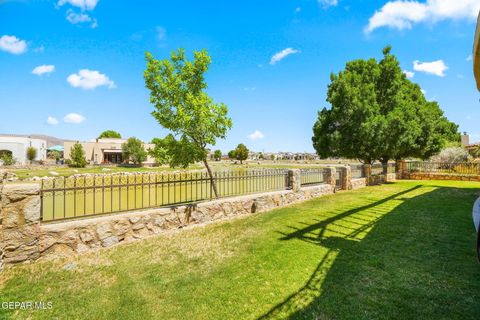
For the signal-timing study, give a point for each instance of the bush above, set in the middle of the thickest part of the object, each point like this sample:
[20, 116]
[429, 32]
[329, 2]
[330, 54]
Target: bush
[134, 151]
[31, 154]
[7, 159]
[452, 155]
[77, 156]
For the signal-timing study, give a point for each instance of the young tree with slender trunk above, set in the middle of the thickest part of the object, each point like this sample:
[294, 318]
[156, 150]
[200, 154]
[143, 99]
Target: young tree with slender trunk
[177, 91]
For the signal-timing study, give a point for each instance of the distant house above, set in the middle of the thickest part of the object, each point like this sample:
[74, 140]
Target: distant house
[17, 148]
[104, 151]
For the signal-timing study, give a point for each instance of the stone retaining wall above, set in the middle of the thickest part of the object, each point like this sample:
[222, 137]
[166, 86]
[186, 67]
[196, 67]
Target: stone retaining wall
[24, 238]
[358, 183]
[439, 176]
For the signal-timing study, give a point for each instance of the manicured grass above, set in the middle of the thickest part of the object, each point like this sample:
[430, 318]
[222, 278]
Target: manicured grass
[397, 251]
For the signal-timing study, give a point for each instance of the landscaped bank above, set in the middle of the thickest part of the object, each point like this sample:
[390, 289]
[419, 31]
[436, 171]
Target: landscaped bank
[398, 251]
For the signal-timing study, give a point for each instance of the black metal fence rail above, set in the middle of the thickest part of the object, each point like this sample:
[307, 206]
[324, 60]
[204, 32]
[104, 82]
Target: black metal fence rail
[72, 197]
[309, 177]
[376, 169]
[467, 168]
[357, 171]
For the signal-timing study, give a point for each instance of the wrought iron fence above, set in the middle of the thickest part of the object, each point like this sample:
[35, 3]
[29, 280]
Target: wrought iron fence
[310, 177]
[377, 169]
[444, 167]
[79, 196]
[380, 169]
[357, 171]
[339, 174]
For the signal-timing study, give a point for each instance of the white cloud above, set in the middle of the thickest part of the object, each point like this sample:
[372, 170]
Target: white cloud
[401, 14]
[282, 54]
[469, 58]
[52, 121]
[39, 49]
[328, 3]
[423, 91]
[44, 68]
[409, 74]
[12, 44]
[76, 18]
[89, 79]
[437, 67]
[74, 118]
[82, 4]
[256, 135]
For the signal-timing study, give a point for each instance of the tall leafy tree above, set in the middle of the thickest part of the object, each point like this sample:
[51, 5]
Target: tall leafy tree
[134, 151]
[378, 114]
[241, 153]
[77, 156]
[217, 155]
[110, 134]
[177, 91]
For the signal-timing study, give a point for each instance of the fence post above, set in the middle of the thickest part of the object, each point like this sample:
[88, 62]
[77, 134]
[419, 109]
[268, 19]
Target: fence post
[367, 172]
[331, 176]
[346, 177]
[20, 223]
[400, 168]
[294, 180]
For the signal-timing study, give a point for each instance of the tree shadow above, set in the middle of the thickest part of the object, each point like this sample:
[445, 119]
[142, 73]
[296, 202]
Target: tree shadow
[409, 255]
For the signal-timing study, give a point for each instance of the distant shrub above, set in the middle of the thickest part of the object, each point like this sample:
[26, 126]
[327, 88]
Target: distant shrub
[452, 155]
[77, 156]
[31, 153]
[7, 159]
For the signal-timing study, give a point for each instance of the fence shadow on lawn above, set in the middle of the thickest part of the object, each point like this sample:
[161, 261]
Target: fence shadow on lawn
[415, 260]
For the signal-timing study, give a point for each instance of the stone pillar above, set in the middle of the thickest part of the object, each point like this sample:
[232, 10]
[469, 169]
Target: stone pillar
[346, 177]
[331, 176]
[294, 180]
[20, 222]
[367, 173]
[400, 168]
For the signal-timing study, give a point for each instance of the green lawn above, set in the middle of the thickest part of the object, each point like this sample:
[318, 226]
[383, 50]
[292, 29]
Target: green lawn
[397, 251]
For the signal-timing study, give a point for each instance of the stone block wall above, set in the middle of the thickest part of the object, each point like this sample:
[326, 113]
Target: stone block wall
[24, 238]
[439, 176]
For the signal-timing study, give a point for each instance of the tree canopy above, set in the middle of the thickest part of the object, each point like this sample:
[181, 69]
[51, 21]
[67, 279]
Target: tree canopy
[77, 156]
[177, 91]
[217, 155]
[379, 114]
[110, 134]
[241, 152]
[134, 151]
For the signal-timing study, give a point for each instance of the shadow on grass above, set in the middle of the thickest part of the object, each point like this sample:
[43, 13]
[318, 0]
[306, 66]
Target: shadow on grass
[409, 255]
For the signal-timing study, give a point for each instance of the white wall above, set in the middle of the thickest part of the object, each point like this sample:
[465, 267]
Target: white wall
[19, 145]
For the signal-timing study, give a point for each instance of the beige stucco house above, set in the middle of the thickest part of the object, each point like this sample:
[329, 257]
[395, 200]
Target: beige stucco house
[104, 151]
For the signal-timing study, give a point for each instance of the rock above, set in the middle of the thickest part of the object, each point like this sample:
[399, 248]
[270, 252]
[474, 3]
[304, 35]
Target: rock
[104, 231]
[134, 220]
[86, 237]
[32, 210]
[70, 266]
[106, 169]
[110, 241]
[54, 173]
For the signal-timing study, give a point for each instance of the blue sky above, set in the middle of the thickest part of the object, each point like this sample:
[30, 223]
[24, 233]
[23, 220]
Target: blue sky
[74, 68]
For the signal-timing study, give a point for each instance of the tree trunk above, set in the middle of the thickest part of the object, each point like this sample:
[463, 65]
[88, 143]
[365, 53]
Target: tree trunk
[384, 161]
[212, 180]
